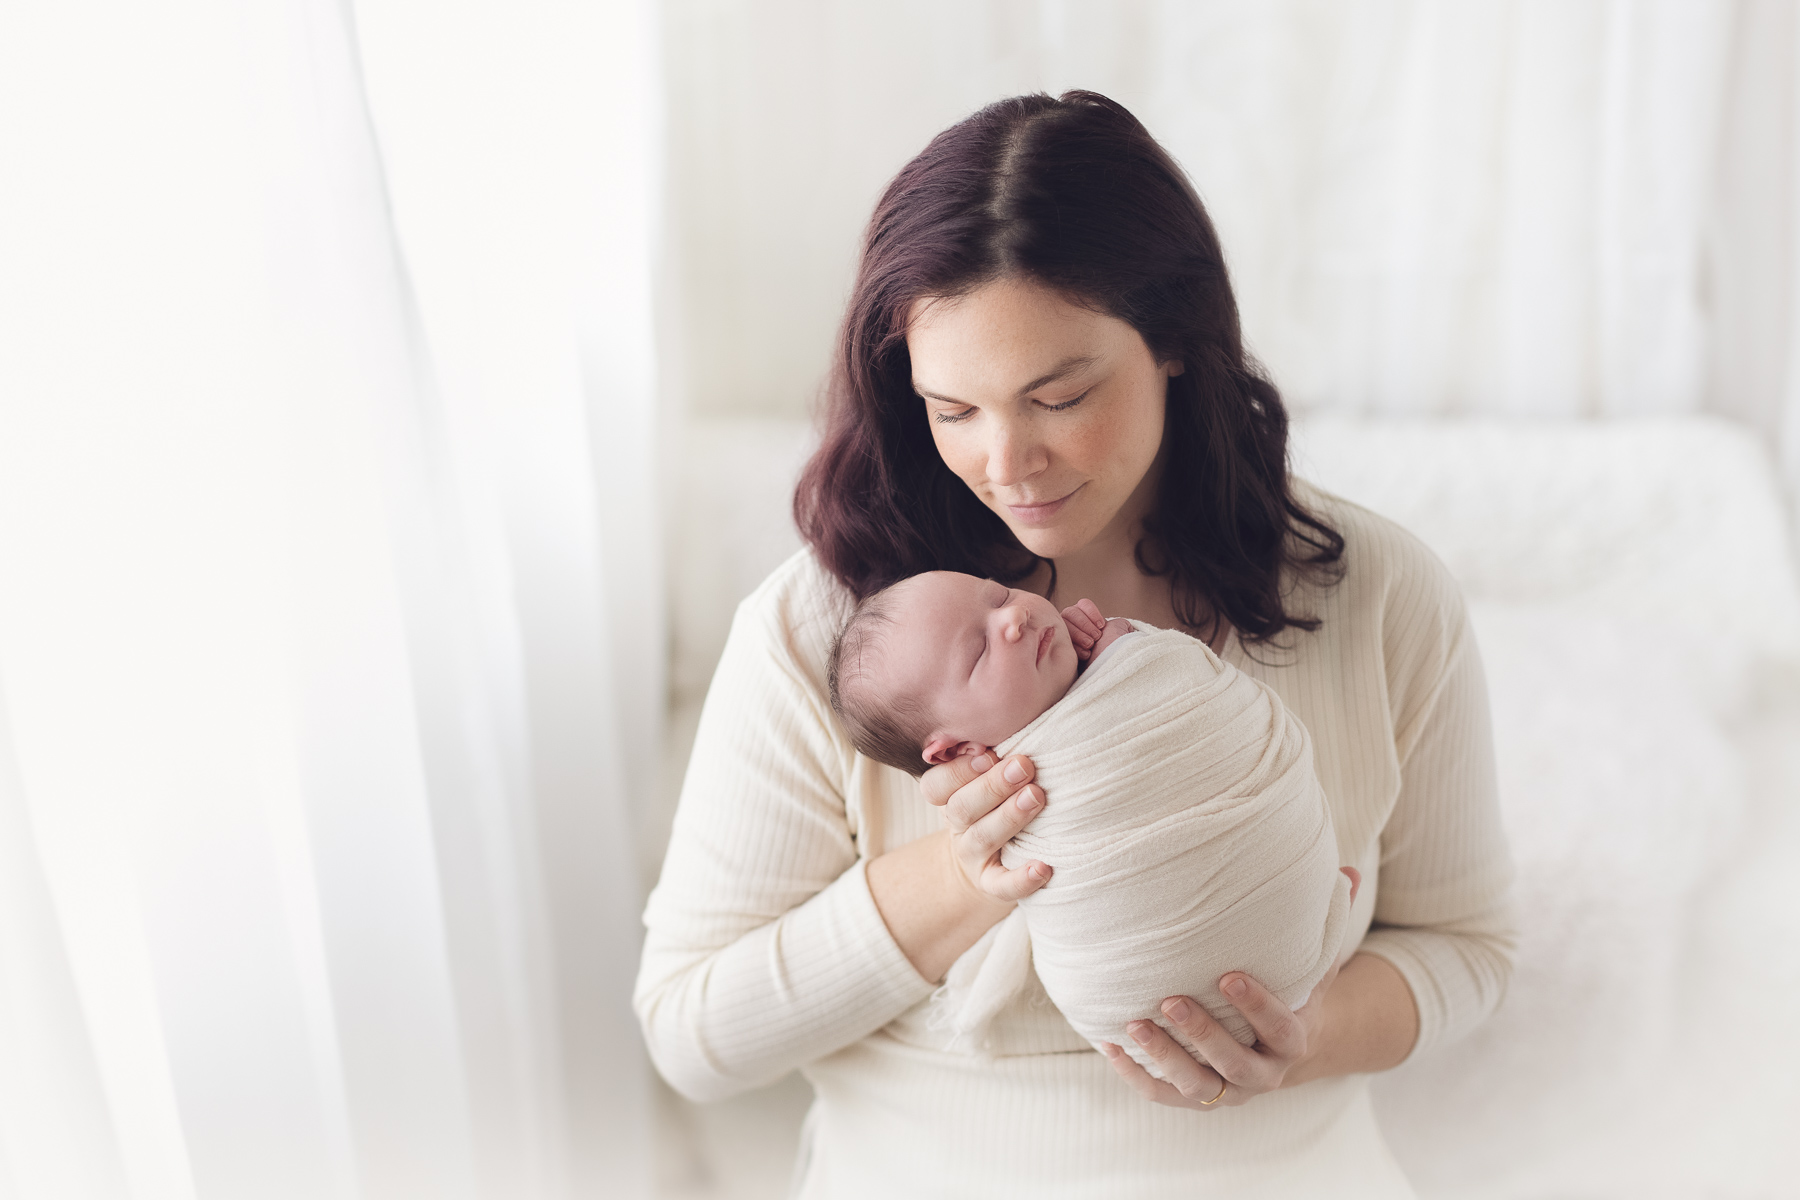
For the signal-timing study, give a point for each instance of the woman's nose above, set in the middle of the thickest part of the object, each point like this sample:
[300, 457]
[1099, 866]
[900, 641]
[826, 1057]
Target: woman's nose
[1014, 455]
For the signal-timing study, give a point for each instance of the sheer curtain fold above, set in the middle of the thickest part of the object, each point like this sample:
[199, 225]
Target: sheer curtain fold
[314, 784]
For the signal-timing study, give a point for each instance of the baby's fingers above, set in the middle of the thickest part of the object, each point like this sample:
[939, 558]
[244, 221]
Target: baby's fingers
[1084, 621]
[1079, 633]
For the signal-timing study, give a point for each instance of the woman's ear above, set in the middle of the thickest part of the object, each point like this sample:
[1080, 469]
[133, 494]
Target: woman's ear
[1174, 367]
[942, 749]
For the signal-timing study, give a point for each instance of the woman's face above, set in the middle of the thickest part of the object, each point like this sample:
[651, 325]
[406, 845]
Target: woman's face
[1050, 412]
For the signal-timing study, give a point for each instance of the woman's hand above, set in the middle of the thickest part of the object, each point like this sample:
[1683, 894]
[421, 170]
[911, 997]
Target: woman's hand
[985, 803]
[1233, 1072]
[939, 894]
[1288, 1041]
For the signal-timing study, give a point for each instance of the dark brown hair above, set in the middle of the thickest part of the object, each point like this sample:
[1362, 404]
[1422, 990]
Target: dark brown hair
[889, 729]
[1074, 193]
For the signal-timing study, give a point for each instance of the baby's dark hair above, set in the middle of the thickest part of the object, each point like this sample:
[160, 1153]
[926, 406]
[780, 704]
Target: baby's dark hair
[889, 729]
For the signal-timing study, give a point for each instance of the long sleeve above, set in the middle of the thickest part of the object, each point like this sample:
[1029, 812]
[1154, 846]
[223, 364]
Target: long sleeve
[764, 948]
[1443, 916]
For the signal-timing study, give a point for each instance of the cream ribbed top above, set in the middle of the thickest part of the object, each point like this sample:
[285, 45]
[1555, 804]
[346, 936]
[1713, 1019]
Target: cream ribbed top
[765, 951]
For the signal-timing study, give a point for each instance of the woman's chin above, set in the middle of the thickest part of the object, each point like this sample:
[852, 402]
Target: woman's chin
[1048, 530]
[1049, 541]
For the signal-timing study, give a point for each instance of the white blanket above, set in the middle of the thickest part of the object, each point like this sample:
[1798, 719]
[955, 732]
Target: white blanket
[1189, 838]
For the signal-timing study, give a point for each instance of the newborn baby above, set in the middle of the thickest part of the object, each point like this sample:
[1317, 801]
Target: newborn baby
[1187, 832]
[944, 664]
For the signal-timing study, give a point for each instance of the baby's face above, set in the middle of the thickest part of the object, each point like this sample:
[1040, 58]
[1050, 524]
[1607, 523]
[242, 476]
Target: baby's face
[982, 658]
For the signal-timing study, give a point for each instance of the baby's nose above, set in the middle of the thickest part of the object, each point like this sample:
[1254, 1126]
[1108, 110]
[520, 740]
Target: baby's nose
[1014, 620]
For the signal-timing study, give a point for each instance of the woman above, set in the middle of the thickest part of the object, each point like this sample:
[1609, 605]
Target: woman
[1041, 378]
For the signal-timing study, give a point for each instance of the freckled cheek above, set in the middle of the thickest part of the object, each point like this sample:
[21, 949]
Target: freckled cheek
[1103, 449]
[1134, 440]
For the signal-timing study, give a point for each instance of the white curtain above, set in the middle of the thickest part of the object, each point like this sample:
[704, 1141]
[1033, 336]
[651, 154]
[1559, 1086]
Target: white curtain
[1570, 208]
[329, 615]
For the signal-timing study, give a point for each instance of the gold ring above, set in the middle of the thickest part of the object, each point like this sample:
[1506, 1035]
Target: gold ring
[1222, 1086]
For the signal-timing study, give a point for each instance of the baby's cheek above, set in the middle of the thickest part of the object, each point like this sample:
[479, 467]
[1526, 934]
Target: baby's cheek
[1068, 665]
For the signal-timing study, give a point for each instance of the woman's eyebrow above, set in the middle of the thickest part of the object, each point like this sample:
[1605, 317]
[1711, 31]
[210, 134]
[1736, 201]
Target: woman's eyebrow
[1061, 371]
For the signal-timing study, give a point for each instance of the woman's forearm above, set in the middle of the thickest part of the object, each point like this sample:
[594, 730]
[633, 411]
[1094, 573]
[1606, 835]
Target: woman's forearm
[1371, 1022]
[930, 906]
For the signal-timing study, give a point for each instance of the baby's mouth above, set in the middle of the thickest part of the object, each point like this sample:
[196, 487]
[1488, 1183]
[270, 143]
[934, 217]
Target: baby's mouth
[1044, 640]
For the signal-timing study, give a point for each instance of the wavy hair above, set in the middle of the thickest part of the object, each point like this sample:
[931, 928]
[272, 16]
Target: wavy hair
[1074, 193]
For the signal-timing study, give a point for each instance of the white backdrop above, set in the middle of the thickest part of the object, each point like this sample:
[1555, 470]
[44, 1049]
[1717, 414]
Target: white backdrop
[331, 631]
[328, 597]
[1505, 208]
[1524, 207]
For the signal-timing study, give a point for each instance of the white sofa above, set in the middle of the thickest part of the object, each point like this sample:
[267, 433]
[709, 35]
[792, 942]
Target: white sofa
[1634, 592]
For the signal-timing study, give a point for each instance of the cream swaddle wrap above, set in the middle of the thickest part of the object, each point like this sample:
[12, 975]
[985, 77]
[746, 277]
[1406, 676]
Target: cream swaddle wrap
[1189, 838]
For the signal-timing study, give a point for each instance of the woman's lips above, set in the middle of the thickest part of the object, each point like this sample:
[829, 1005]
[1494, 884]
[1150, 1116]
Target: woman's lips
[1039, 514]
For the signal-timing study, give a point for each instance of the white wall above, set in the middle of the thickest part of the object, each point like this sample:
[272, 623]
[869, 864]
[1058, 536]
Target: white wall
[1580, 208]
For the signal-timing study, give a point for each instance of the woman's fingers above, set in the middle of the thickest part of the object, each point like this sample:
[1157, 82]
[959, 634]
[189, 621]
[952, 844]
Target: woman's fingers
[1142, 1082]
[1280, 1035]
[943, 781]
[978, 848]
[1195, 1081]
[983, 811]
[1015, 884]
[1277, 1028]
[1230, 1057]
[981, 842]
[1179, 1068]
[1220, 1069]
[982, 795]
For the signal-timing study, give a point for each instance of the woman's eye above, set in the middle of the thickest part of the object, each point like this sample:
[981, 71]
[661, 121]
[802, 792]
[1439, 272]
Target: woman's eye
[1066, 405]
[945, 418]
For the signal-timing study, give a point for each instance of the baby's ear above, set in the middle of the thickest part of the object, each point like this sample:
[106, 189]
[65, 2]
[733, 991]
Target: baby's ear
[942, 749]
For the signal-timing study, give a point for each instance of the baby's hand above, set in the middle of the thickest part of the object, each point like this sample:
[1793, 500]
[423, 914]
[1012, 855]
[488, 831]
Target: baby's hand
[1086, 627]
[1116, 628]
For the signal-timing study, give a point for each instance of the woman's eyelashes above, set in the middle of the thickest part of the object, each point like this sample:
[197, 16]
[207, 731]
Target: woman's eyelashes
[1066, 405]
[957, 418]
